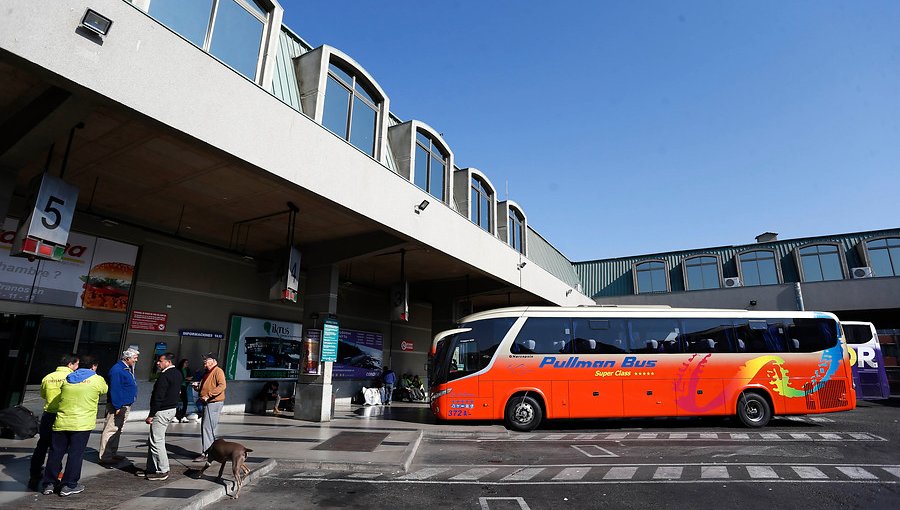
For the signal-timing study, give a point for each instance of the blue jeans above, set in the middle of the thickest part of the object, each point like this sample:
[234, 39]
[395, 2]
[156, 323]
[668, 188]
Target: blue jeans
[388, 392]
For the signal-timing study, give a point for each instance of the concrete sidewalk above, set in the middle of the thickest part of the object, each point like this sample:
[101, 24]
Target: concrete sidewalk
[378, 437]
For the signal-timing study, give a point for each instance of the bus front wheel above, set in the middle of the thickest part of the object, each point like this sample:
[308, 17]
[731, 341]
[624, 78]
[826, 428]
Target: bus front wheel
[754, 410]
[523, 413]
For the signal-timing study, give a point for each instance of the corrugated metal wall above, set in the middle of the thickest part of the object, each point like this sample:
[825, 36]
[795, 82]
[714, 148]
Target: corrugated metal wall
[613, 277]
[545, 255]
[284, 80]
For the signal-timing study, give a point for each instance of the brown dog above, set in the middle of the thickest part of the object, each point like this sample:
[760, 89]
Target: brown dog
[223, 451]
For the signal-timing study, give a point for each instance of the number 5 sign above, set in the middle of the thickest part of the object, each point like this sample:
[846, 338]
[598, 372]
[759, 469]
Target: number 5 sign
[48, 218]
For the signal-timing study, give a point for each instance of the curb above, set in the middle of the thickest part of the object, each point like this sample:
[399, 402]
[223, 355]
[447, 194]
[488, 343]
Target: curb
[212, 495]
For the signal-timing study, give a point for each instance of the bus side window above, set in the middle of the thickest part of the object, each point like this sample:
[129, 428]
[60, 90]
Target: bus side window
[600, 336]
[545, 335]
[758, 337]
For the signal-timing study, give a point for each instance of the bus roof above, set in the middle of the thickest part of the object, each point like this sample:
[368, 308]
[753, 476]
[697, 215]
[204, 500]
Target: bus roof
[635, 310]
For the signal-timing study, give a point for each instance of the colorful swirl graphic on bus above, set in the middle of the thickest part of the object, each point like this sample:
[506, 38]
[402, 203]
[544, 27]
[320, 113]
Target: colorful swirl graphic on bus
[780, 381]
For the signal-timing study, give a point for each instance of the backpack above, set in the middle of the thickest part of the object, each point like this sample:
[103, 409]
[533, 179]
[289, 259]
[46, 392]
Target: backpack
[18, 421]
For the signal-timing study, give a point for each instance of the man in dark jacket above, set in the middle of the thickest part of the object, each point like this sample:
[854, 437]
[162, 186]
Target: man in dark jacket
[163, 405]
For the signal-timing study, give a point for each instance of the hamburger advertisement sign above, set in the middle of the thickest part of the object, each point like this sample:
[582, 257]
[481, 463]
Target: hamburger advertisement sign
[94, 273]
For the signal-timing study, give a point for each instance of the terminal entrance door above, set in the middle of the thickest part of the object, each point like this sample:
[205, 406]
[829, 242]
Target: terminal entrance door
[18, 334]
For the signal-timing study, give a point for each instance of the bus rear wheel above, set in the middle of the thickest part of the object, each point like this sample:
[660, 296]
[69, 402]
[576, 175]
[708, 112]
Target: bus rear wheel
[523, 413]
[754, 410]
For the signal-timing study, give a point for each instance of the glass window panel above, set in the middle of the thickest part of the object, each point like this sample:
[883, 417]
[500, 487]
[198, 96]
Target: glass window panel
[644, 282]
[337, 108]
[659, 280]
[102, 340]
[421, 171]
[55, 337]
[767, 272]
[710, 276]
[812, 269]
[437, 178]
[894, 241]
[880, 260]
[485, 209]
[424, 140]
[474, 203]
[608, 336]
[340, 73]
[544, 335]
[190, 19]
[831, 266]
[236, 38]
[365, 93]
[362, 130]
[695, 277]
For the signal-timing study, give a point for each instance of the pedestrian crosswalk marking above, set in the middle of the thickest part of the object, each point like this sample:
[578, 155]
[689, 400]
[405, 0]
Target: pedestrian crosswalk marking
[709, 435]
[740, 436]
[620, 473]
[424, 473]
[714, 472]
[857, 473]
[522, 475]
[809, 472]
[804, 437]
[861, 436]
[769, 435]
[668, 473]
[582, 437]
[678, 435]
[761, 472]
[892, 470]
[570, 474]
[474, 474]
[648, 435]
[617, 435]
[830, 436]
[553, 437]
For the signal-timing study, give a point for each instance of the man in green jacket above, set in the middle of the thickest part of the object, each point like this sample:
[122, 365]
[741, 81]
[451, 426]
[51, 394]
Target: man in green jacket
[75, 419]
[51, 385]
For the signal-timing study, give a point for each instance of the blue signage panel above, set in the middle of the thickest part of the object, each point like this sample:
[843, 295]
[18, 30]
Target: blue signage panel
[330, 334]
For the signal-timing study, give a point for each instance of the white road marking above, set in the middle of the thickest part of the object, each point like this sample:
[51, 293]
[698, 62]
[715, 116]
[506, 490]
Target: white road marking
[522, 475]
[714, 472]
[740, 436]
[769, 435]
[570, 474]
[678, 435]
[486, 506]
[804, 437]
[809, 472]
[860, 436]
[830, 436]
[552, 437]
[857, 473]
[473, 474]
[617, 435]
[761, 472]
[648, 435]
[620, 473]
[892, 470]
[424, 473]
[582, 437]
[594, 451]
[821, 419]
[668, 473]
[709, 435]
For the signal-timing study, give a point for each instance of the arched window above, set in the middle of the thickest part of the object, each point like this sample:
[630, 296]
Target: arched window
[820, 262]
[758, 267]
[481, 199]
[884, 256]
[516, 230]
[651, 276]
[432, 163]
[351, 110]
[231, 30]
[701, 273]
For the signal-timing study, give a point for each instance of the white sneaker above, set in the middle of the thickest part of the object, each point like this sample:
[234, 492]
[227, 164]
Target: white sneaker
[185, 420]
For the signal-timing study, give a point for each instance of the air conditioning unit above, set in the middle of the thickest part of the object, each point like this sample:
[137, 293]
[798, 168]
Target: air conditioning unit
[732, 282]
[861, 272]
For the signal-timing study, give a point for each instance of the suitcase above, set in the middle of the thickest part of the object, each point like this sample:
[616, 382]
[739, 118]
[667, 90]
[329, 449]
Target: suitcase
[18, 422]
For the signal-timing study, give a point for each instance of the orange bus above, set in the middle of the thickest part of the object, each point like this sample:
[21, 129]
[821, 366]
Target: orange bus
[524, 364]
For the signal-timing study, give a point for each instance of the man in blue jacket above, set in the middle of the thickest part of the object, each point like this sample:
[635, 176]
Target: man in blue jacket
[389, 378]
[122, 392]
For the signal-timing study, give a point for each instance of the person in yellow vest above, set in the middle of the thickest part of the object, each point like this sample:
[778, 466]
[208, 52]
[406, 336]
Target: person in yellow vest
[75, 419]
[51, 385]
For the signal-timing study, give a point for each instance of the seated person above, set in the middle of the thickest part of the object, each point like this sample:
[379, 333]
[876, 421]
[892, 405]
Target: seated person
[270, 392]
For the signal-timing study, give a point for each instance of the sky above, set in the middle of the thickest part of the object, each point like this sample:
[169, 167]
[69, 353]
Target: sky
[626, 128]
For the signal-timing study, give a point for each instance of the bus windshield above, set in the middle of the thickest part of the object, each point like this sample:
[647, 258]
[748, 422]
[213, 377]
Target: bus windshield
[470, 351]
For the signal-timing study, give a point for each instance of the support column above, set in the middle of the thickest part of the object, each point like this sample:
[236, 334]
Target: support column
[314, 400]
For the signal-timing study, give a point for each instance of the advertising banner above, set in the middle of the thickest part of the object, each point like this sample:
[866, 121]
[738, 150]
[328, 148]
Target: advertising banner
[263, 349]
[359, 354]
[93, 273]
[312, 344]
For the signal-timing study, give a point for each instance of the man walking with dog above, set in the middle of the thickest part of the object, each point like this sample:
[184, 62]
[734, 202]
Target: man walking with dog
[122, 393]
[212, 394]
[163, 406]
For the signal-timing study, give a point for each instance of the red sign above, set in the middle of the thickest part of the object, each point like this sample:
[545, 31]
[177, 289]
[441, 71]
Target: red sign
[406, 345]
[148, 321]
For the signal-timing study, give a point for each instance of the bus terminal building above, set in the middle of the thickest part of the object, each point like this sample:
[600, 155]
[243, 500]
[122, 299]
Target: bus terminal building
[243, 192]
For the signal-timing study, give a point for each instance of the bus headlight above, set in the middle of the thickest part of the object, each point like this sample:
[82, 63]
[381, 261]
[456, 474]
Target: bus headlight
[436, 395]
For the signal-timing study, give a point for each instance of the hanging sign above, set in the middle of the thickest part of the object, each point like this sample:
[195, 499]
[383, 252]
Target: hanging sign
[400, 302]
[44, 230]
[330, 335]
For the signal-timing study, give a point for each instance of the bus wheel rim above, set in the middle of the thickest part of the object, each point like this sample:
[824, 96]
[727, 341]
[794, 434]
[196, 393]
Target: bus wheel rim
[524, 413]
[753, 411]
